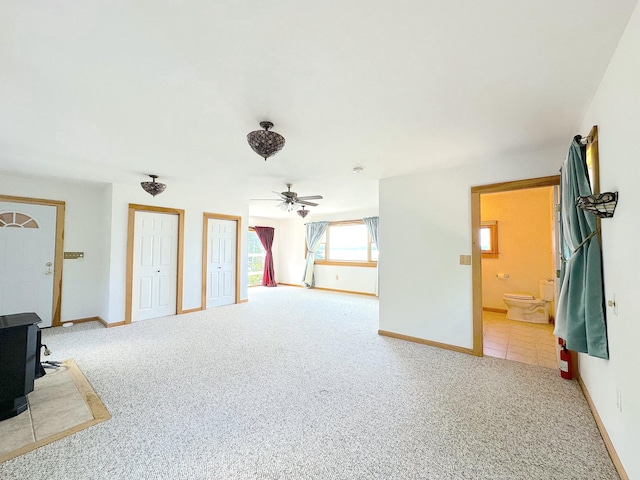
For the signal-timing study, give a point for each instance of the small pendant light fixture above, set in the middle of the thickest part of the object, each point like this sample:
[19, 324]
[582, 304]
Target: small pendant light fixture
[153, 188]
[264, 142]
[302, 212]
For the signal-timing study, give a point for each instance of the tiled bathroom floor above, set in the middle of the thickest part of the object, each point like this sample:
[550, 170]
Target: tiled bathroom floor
[531, 343]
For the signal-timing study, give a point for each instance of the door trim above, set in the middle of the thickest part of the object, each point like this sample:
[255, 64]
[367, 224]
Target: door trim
[205, 244]
[476, 255]
[59, 249]
[133, 208]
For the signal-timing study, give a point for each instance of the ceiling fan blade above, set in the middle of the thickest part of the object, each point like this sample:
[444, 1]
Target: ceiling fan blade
[283, 197]
[311, 197]
[310, 204]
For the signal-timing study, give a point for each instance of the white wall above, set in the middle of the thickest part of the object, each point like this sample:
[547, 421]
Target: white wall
[616, 111]
[195, 201]
[96, 223]
[425, 225]
[426, 294]
[86, 229]
[292, 257]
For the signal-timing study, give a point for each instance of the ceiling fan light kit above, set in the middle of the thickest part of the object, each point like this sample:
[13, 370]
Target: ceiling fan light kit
[265, 142]
[153, 188]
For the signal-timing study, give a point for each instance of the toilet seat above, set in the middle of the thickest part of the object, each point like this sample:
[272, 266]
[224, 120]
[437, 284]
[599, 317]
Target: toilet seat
[519, 296]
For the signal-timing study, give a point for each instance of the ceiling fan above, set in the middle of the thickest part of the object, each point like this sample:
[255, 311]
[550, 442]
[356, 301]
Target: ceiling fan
[289, 200]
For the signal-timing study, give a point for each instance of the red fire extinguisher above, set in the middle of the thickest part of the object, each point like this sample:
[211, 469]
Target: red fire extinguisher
[565, 361]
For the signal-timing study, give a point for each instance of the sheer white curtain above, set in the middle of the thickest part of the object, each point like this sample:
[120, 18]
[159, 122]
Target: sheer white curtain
[315, 230]
[372, 227]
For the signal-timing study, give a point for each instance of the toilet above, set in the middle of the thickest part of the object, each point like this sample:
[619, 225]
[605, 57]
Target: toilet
[527, 308]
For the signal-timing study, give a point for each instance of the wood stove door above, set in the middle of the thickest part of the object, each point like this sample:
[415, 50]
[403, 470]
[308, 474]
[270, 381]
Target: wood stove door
[27, 259]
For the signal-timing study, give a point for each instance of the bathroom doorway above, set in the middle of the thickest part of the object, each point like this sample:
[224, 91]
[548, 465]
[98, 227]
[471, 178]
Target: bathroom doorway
[514, 248]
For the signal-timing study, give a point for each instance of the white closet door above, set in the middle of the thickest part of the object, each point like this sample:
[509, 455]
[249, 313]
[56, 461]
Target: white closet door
[221, 262]
[155, 265]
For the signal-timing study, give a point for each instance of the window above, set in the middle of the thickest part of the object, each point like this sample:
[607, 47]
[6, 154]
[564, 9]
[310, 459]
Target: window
[347, 242]
[256, 259]
[17, 220]
[489, 239]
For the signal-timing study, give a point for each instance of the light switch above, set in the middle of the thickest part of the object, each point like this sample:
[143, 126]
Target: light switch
[465, 259]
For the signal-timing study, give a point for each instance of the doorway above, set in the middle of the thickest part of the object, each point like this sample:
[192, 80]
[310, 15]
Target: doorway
[220, 260]
[31, 253]
[155, 252]
[476, 262]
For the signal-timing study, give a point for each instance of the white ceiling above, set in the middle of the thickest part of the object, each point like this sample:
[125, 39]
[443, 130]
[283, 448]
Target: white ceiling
[112, 90]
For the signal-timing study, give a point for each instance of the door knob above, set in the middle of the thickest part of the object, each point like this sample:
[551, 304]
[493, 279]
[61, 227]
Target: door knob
[49, 271]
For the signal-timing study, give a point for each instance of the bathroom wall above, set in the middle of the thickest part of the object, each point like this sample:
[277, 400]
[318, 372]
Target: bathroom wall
[525, 243]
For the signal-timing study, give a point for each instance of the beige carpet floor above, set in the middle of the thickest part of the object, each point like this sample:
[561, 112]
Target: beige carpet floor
[62, 402]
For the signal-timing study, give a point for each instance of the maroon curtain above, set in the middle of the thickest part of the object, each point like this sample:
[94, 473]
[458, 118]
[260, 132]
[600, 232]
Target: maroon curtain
[265, 234]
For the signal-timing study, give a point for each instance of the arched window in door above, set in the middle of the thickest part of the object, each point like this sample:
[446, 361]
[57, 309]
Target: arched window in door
[17, 220]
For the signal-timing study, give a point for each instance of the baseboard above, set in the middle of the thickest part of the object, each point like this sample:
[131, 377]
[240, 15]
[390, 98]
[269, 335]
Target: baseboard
[109, 325]
[496, 310]
[603, 432]
[430, 343]
[191, 310]
[93, 319]
[83, 320]
[331, 289]
[243, 300]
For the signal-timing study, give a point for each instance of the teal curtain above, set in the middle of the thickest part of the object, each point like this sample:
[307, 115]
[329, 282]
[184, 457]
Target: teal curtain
[372, 228]
[580, 317]
[314, 233]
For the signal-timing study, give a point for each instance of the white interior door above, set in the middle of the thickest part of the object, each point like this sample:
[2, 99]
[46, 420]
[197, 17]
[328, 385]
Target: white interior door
[221, 262]
[155, 265]
[27, 259]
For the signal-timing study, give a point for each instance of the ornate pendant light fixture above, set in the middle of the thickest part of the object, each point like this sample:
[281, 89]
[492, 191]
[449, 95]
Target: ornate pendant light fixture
[264, 142]
[153, 188]
[302, 212]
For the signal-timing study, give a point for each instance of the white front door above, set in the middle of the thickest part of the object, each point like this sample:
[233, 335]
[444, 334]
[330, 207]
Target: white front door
[155, 265]
[27, 259]
[221, 262]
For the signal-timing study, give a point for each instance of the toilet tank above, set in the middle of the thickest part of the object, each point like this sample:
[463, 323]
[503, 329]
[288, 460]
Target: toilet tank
[547, 290]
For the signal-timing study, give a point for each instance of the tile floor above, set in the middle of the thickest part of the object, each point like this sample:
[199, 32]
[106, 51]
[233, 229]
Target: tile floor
[531, 343]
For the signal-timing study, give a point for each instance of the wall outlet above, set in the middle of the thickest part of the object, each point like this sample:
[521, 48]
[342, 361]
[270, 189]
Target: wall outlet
[465, 259]
[613, 304]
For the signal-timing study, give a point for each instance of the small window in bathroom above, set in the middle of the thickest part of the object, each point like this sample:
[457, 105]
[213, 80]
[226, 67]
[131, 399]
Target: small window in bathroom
[489, 239]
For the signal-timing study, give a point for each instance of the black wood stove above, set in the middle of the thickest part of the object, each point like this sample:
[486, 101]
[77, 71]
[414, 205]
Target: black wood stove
[19, 361]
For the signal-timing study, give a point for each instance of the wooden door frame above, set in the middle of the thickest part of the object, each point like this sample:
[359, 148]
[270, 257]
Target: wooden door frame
[476, 254]
[58, 252]
[205, 246]
[133, 208]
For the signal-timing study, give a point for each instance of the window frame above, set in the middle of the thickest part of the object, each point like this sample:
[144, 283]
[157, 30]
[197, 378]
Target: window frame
[345, 263]
[251, 229]
[492, 225]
